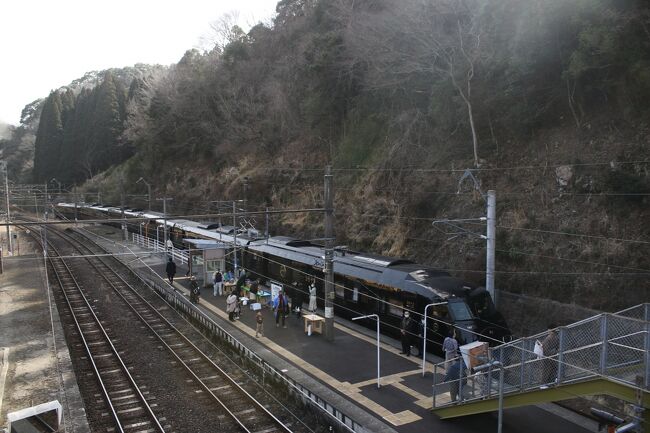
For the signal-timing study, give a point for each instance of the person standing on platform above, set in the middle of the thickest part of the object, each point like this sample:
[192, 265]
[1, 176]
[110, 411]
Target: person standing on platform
[312, 297]
[406, 329]
[280, 308]
[217, 284]
[231, 304]
[259, 324]
[450, 347]
[455, 376]
[171, 270]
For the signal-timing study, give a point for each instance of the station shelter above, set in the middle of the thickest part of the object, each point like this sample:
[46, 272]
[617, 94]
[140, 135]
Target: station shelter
[205, 258]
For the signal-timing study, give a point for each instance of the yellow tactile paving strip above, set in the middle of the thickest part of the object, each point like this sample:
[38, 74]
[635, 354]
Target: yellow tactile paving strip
[350, 390]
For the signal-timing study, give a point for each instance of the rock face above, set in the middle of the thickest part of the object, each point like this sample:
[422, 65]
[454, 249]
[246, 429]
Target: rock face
[563, 175]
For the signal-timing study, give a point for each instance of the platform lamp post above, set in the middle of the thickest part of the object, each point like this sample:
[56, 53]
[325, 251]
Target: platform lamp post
[424, 344]
[376, 317]
[148, 190]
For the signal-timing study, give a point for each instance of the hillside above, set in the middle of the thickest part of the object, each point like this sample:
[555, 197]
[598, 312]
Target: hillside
[545, 101]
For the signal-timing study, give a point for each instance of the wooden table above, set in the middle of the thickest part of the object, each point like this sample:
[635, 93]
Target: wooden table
[315, 321]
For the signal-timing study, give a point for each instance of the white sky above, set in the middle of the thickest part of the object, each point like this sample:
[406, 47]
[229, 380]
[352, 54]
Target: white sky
[45, 44]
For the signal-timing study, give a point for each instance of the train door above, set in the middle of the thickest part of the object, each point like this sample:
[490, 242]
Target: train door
[438, 327]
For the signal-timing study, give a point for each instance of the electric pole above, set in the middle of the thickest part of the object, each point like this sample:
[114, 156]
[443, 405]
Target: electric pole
[124, 231]
[164, 200]
[9, 241]
[234, 224]
[329, 256]
[491, 244]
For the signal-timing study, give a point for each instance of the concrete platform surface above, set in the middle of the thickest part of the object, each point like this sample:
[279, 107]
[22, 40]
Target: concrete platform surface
[345, 371]
[36, 366]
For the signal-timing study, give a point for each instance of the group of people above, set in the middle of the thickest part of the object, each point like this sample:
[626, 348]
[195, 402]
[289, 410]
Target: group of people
[456, 370]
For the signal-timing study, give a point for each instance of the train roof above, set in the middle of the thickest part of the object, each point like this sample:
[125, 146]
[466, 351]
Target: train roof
[381, 270]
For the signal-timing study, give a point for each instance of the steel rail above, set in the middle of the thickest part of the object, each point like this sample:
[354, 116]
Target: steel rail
[143, 402]
[64, 267]
[151, 309]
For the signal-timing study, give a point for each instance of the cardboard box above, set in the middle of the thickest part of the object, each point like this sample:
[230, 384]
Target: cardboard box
[475, 353]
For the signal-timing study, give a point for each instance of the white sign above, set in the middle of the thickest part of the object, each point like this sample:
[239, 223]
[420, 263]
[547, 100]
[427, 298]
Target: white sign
[329, 312]
[275, 289]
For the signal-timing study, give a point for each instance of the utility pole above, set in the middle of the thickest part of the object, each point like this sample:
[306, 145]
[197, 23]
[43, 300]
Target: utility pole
[124, 231]
[148, 190]
[491, 244]
[11, 247]
[74, 197]
[329, 256]
[267, 225]
[234, 223]
[164, 200]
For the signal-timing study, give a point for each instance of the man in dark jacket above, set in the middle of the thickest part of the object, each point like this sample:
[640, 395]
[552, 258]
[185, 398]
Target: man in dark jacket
[406, 330]
[171, 270]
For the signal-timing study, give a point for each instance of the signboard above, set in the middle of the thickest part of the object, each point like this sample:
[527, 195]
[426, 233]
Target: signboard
[275, 289]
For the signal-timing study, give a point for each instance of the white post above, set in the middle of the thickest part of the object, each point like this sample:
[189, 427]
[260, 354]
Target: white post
[376, 317]
[491, 244]
[424, 345]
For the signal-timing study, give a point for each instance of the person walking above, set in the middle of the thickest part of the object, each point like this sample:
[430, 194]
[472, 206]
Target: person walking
[450, 347]
[280, 308]
[217, 284]
[170, 269]
[312, 297]
[406, 330]
[550, 348]
[231, 304]
[456, 376]
[259, 324]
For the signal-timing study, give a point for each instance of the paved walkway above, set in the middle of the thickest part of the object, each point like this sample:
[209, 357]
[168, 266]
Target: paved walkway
[35, 364]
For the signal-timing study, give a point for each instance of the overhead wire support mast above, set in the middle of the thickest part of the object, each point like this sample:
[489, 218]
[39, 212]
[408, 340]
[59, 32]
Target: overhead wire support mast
[164, 200]
[9, 242]
[490, 236]
[329, 256]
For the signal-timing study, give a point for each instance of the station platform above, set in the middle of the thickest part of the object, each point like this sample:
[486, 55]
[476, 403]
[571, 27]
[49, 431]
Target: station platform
[344, 371]
[35, 365]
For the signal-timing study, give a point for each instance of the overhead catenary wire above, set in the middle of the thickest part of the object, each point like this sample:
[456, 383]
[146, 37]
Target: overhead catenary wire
[406, 309]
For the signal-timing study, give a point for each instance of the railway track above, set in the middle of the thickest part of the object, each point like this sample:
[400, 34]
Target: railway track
[128, 410]
[246, 413]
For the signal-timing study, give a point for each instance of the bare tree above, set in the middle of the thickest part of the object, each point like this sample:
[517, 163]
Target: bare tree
[416, 41]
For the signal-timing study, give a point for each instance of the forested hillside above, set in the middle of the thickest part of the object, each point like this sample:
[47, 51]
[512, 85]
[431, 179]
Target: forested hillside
[545, 100]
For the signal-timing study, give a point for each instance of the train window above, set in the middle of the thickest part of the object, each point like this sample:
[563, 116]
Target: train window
[395, 307]
[355, 294]
[460, 311]
[339, 289]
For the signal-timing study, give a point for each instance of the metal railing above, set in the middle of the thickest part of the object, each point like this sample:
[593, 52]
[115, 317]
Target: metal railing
[614, 346]
[178, 254]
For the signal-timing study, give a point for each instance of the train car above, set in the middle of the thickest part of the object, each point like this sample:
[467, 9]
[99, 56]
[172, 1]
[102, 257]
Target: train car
[364, 283]
[373, 284]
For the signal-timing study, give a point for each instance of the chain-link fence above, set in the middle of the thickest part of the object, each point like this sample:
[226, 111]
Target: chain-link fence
[613, 346]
